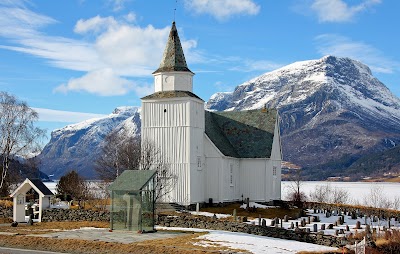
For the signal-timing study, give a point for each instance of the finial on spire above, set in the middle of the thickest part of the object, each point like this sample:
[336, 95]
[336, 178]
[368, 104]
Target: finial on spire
[176, 3]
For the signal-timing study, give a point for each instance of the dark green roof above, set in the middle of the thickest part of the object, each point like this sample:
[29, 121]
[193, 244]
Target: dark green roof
[242, 134]
[170, 94]
[132, 180]
[173, 58]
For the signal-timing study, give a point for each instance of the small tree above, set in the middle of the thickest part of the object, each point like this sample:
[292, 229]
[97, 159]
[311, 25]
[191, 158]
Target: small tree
[18, 135]
[73, 185]
[296, 195]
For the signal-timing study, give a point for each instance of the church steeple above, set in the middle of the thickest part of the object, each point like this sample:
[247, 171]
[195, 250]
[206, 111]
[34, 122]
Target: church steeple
[173, 58]
[173, 73]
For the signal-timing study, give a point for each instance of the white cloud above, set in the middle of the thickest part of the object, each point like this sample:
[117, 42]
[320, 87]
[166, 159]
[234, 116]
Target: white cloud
[120, 49]
[338, 10]
[51, 115]
[333, 44]
[95, 24]
[118, 5]
[103, 82]
[223, 9]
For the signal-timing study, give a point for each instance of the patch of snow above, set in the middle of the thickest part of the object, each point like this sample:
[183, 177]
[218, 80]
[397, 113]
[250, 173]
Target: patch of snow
[256, 205]
[218, 215]
[251, 243]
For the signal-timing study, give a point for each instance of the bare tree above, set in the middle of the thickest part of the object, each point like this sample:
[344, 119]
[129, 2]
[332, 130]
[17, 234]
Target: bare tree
[18, 135]
[153, 159]
[296, 195]
[320, 193]
[121, 151]
[339, 196]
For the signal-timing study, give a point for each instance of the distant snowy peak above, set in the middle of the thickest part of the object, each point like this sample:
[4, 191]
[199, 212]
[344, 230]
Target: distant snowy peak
[295, 83]
[77, 146]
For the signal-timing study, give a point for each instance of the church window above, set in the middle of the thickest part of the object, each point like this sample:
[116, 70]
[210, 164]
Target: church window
[231, 175]
[198, 162]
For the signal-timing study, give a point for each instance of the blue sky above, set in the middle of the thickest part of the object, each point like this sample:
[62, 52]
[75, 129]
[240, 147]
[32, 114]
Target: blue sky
[76, 59]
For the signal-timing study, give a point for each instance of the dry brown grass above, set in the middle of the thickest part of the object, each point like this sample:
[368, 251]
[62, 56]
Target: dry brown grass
[185, 243]
[179, 245]
[5, 220]
[42, 227]
[265, 213]
[338, 251]
[6, 203]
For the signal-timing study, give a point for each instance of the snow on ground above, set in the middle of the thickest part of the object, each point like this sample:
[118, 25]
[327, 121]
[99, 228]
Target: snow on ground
[251, 243]
[256, 205]
[218, 215]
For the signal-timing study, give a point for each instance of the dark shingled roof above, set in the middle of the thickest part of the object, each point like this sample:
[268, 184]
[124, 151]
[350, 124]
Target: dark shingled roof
[173, 58]
[132, 180]
[40, 185]
[170, 94]
[242, 134]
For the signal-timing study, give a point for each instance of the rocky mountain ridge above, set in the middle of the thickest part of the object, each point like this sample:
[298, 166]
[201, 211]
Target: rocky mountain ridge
[77, 146]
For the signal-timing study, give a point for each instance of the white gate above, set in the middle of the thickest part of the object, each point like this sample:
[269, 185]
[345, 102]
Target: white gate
[359, 247]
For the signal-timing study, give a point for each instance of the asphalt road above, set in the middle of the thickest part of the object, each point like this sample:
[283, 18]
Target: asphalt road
[23, 251]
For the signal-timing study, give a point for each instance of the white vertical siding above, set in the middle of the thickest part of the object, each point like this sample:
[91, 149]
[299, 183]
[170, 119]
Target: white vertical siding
[176, 126]
[254, 179]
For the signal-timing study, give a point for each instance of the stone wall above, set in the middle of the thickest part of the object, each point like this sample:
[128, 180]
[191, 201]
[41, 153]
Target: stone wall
[6, 212]
[189, 221]
[56, 214]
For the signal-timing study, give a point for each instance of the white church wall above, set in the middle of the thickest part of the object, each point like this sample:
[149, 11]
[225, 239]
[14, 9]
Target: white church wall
[230, 179]
[168, 81]
[197, 173]
[213, 171]
[254, 179]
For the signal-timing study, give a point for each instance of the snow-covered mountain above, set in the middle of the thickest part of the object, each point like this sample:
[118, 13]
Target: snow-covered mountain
[333, 110]
[77, 146]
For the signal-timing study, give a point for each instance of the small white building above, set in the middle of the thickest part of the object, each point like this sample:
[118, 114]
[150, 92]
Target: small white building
[20, 199]
[223, 156]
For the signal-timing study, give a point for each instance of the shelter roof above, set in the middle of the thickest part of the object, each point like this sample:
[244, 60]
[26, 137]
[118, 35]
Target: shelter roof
[36, 184]
[242, 134]
[132, 180]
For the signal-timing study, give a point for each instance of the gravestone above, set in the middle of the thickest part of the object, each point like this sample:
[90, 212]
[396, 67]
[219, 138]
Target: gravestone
[358, 225]
[308, 220]
[272, 223]
[245, 219]
[315, 227]
[347, 228]
[286, 218]
[322, 226]
[292, 225]
[330, 226]
[297, 224]
[234, 215]
[259, 219]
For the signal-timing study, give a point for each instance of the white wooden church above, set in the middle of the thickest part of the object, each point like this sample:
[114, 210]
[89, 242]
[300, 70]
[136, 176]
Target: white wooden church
[223, 156]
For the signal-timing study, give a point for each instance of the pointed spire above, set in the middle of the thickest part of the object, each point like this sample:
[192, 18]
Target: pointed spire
[173, 58]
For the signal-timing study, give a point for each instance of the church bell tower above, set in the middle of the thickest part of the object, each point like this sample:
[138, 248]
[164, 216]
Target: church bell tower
[173, 119]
